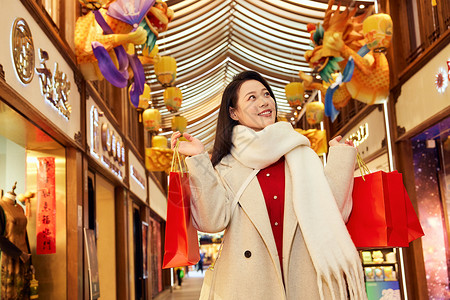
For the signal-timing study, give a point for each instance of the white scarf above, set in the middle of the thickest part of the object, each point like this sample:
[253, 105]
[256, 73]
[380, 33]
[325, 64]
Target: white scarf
[332, 251]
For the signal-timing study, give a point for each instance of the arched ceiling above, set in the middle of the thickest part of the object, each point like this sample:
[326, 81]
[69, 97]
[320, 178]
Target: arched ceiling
[212, 40]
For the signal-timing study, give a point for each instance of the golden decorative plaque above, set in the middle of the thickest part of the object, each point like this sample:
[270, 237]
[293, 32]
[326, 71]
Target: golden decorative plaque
[22, 50]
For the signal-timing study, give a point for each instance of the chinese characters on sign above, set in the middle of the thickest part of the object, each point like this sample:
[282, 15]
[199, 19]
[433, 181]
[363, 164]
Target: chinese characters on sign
[46, 206]
[360, 136]
[54, 87]
[106, 145]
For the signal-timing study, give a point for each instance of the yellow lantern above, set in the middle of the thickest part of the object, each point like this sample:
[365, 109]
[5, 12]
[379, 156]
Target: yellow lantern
[314, 112]
[152, 119]
[179, 123]
[378, 32]
[166, 70]
[159, 141]
[144, 99]
[173, 98]
[294, 93]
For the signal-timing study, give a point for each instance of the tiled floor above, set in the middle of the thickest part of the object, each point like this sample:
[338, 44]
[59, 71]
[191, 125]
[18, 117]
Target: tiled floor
[190, 289]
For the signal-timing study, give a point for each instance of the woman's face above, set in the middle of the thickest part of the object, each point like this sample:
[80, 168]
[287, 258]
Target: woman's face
[255, 108]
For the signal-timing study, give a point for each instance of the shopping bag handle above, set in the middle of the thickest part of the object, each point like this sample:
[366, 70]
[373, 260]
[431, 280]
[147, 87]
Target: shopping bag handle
[177, 159]
[363, 168]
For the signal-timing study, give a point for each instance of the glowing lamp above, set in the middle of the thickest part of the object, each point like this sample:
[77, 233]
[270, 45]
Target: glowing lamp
[152, 119]
[378, 32]
[314, 112]
[166, 70]
[173, 98]
[159, 141]
[294, 93]
[179, 123]
[144, 100]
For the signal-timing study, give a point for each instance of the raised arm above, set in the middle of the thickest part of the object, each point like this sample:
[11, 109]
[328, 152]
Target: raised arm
[210, 201]
[339, 173]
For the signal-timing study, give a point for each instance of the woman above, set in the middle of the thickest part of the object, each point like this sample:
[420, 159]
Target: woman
[286, 238]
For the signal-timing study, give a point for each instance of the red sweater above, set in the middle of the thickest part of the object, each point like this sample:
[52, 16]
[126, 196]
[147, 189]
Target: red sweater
[272, 182]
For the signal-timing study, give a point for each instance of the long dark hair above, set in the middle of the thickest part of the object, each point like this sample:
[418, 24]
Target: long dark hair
[225, 124]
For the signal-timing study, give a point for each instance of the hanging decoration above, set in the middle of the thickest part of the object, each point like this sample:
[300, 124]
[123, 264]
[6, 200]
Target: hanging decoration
[355, 51]
[179, 123]
[158, 158]
[317, 138]
[46, 206]
[314, 112]
[166, 71]
[144, 100]
[173, 98]
[152, 120]
[102, 35]
[294, 94]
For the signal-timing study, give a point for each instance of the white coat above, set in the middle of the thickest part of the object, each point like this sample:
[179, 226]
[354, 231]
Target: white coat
[249, 267]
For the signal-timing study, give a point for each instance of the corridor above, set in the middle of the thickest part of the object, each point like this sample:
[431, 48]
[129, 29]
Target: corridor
[190, 289]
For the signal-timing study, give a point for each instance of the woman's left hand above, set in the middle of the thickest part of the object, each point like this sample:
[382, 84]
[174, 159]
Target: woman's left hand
[335, 142]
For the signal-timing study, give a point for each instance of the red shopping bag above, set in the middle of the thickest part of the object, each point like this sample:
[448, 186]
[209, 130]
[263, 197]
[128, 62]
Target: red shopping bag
[181, 243]
[382, 214]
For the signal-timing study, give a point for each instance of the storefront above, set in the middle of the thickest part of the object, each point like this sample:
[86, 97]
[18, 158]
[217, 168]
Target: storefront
[423, 153]
[105, 215]
[383, 268]
[158, 206]
[40, 144]
[138, 215]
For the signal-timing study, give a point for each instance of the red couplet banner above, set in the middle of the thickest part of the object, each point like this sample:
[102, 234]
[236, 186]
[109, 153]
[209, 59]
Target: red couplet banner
[46, 206]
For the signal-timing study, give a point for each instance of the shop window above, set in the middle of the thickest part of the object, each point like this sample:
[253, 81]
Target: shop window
[52, 8]
[156, 257]
[37, 163]
[431, 158]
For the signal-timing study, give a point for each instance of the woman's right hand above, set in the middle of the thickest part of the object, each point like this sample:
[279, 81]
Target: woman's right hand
[193, 147]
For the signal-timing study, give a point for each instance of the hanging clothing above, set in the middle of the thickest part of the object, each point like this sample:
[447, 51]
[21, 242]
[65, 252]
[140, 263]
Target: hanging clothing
[15, 274]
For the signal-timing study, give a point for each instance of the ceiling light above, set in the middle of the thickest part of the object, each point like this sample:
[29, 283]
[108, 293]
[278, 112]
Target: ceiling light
[292, 119]
[362, 6]
[307, 96]
[317, 76]
[299, 107]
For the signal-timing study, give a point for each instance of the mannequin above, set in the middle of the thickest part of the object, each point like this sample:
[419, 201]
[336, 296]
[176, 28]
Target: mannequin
[15, 272]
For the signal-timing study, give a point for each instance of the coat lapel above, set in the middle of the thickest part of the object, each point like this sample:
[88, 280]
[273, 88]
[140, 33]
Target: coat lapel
[290, 221]
[253, 204]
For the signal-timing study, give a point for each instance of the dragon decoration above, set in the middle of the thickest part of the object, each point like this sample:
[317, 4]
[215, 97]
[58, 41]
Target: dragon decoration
[105, 40]
[349, 54]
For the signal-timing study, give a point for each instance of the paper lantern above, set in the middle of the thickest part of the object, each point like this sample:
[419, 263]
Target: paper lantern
[158, 159]
[166, 71]
[179, 123]
[173, 98]
[152, 119]
[314, 112]
[144, 99]
[378, 31]
[294, 93]
[159, 141]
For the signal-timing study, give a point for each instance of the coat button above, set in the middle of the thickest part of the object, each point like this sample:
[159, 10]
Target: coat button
[247, 254]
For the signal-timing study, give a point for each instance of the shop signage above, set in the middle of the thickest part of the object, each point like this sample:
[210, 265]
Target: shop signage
[55, 86]
[137, 177]
[448, 68]
[105, 144]
[46, 206]
[369, 135]
[360, 135]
